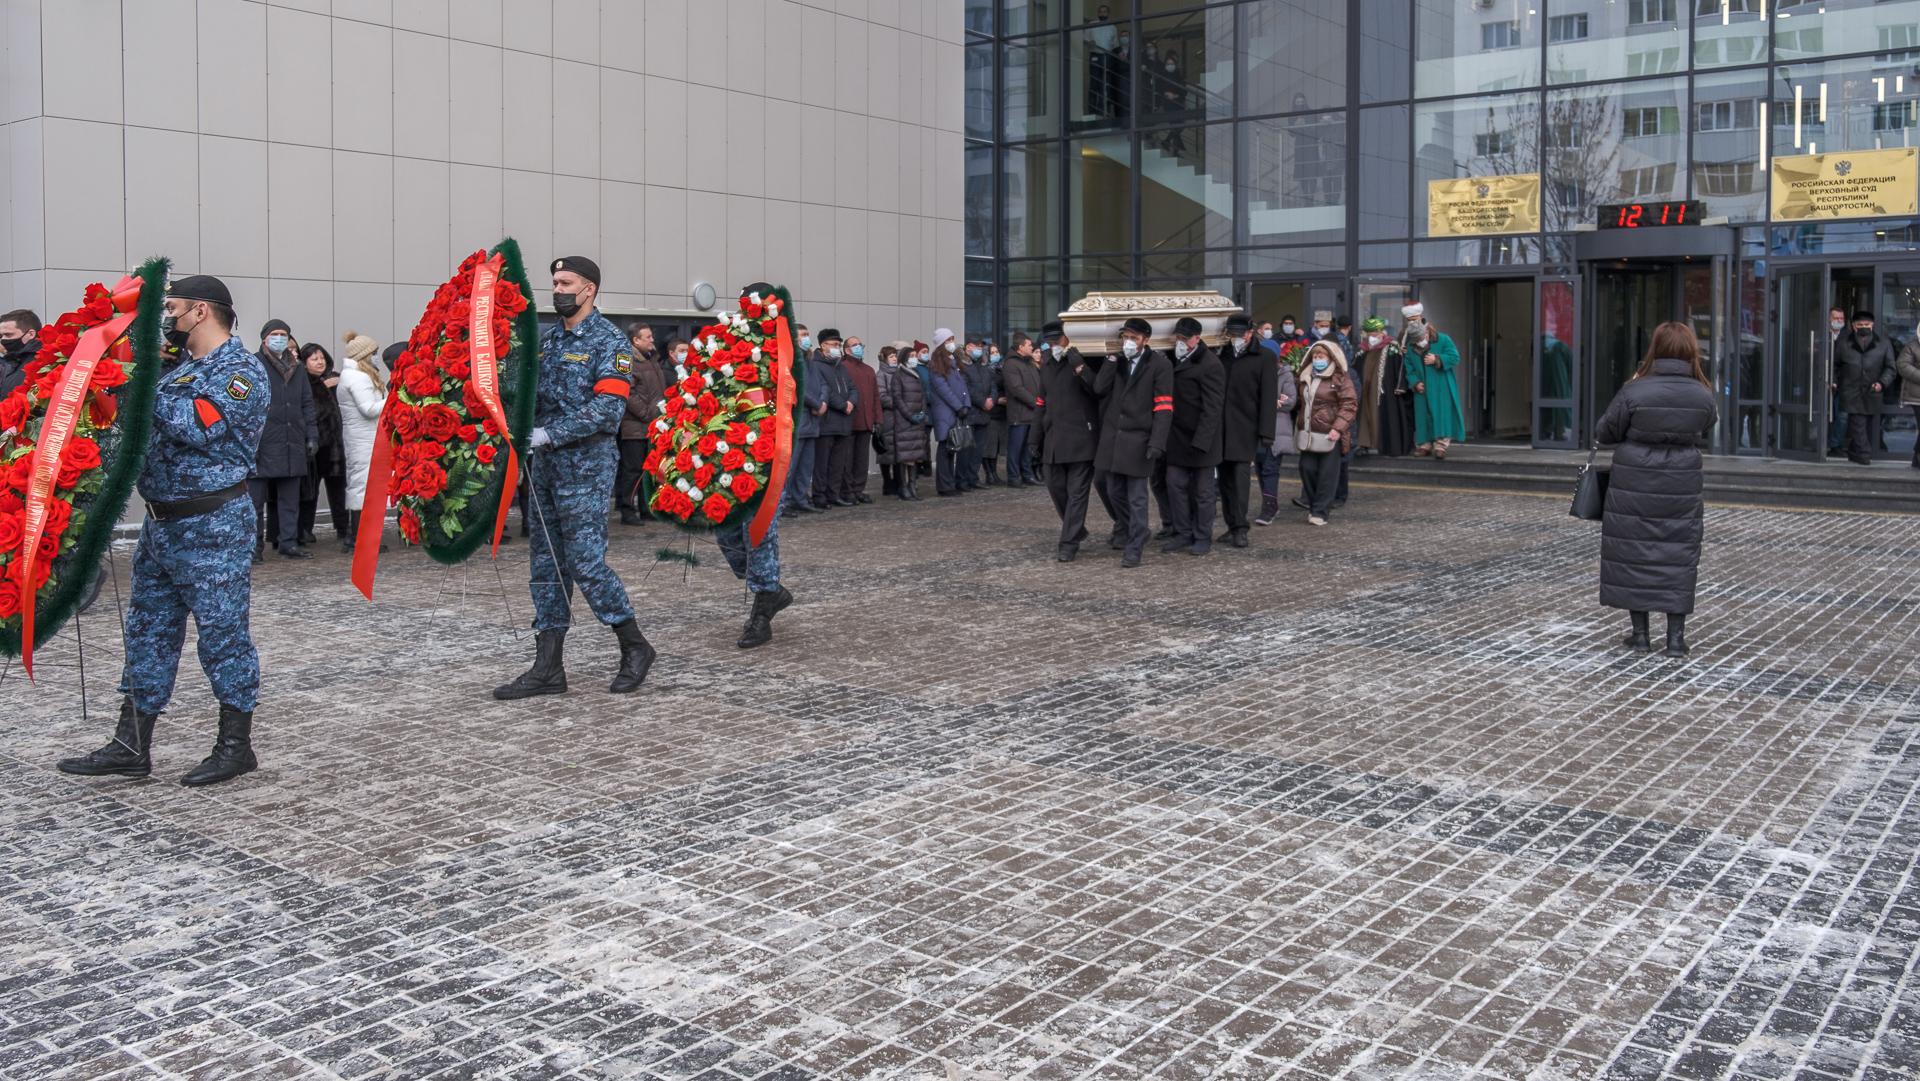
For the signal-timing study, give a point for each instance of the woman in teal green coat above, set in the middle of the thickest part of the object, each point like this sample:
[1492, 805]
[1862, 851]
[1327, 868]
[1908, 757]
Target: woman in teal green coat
[1431, 359]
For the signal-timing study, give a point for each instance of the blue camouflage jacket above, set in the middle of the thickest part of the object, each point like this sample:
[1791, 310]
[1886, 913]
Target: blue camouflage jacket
[586, 375]
[207, 417]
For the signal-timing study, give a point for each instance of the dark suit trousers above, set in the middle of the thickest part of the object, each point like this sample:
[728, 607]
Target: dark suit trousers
[1160, 497]
[1068, 485]
[1234, 478]
[633, 462]
[1105, 492]
[853, 479]
[1129, 497]
[1192, 495]
[286, 496]
[830, 458]
[1859, 436]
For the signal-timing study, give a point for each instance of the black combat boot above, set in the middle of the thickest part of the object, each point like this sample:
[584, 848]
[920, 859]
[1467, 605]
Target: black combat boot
[353, 530]
[547, 676]
[126, 755]
[759, 630]
[1676, 636]
[636, 656]
[1638, 641]
[631, 516]
[232, 751]
[260, 545]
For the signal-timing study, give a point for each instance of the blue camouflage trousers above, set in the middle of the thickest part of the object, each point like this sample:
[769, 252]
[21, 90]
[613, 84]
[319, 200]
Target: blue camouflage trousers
[572, 493]
[758, 564]
[200, 566]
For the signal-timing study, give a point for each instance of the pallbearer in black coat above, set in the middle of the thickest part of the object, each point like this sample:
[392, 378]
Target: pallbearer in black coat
[1247, 421]
[1136, 389]
[1069, 423]
[1194, 444]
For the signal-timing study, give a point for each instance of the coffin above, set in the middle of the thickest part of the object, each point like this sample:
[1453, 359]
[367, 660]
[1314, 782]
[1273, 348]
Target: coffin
[1093, 321]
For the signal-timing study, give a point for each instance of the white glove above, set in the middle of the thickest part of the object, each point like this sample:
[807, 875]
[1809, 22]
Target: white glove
[540, 438]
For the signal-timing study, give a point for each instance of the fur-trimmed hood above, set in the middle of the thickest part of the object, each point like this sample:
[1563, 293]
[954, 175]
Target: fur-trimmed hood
[1339, 355]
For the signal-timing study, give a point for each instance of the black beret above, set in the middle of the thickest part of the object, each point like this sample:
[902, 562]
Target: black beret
[1187, 327]
[201, 287]
[272, 325]
[1238, 323]
[392, 353]
[1052, 331]
[830, 335]
[1138, 326]
[580, 265]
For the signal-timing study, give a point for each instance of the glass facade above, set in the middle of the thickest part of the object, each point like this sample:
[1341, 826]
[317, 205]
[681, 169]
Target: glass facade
[1248, 144]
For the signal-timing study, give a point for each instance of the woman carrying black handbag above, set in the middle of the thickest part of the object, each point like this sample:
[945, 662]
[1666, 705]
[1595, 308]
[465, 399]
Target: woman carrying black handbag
[1651, 531]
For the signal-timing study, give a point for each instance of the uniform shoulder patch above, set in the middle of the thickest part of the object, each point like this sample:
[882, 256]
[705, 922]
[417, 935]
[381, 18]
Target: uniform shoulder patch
[623, 363]
[574, 358]
[239, 387]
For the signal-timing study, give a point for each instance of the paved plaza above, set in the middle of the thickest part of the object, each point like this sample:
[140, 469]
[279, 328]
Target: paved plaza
[1383, 800]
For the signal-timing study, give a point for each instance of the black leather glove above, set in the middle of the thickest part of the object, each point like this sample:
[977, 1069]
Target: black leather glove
[1154, 454]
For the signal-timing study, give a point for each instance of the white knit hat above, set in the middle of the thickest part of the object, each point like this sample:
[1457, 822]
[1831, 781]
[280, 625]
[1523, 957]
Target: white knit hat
[942, 337]
[359, 346]
[1414, 310]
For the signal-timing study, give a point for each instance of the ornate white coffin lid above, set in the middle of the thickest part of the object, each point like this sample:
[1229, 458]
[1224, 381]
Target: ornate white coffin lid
[1093, 321]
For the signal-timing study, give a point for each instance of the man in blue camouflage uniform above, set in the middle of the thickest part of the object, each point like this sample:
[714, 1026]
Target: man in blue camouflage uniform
[586, 374]
[196, 545]
[759, 564]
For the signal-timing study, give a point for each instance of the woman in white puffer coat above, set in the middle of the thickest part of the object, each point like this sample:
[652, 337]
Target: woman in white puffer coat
[363, 393]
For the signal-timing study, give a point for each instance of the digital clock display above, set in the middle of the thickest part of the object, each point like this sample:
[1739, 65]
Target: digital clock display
[1649, 215]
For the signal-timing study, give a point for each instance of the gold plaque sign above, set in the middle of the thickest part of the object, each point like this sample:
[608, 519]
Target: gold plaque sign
[1484, 205]
[1847, 184]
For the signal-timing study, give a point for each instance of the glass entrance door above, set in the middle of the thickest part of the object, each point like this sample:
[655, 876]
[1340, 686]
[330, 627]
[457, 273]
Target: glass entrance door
[1799, 362]
[1629, 301]
[1899, 319]
[1555, 397]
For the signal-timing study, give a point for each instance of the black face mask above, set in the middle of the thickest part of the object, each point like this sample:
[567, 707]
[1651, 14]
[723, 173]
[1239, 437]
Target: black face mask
[565, 305]
[17, 347]
[1863, 335]
[169, 329]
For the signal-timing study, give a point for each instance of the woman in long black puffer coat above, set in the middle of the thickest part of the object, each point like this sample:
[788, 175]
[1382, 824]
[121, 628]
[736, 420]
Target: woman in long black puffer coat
[1650, 537]
[327, 469]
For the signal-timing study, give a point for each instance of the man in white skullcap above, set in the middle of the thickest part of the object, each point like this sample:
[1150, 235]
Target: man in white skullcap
[1431, 360]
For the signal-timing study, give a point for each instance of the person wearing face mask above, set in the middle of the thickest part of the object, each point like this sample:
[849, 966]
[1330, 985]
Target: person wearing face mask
[1836, 415]
[196, 541]
[1385, 424]
[1431, 359]
[1324, 423]
[903, 420]
[1195, 441]
[866, 418]
[983, 389]
[993, 438]
[327, 471]
[288, 442]
[1289, 332]
[1067, 412]
[1863, 366]
[797, 499]
[1250, 401]
[834, 449]
[1136, 389]
[1020, 380]
[19, 341]
[643, 406]
[360, 397]
[951, 406]
[586, 379]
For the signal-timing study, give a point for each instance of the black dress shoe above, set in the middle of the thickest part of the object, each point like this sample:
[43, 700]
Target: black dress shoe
[1238, 539]
[1129, 561]
[843, 502]
[307, 539]
[1166, 532]
[1177, 544]
[1066, 553]
[295, 553]
[1301, 503]
[863, 498]
[1117, 542]
[796, 508]
[1197, 550]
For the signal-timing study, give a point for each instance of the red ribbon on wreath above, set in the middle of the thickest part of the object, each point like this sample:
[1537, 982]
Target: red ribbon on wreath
[373, 504]
[486, 380]
[782, 435]
[63, 414]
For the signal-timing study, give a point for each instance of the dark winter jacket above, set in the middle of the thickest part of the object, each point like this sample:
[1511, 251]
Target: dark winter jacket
[903, 416]
[1137, 416]
[1252, 395]
[812, 397]
[982, 383]
[866, 393]
[836, 389]
[1650, 537]
[650, 377]
[1856, 368]
[331, 457]
[293, 427]
[1908, 365]
[1068, 409]
[1199, 388]
[950, 400]
[1020, 382]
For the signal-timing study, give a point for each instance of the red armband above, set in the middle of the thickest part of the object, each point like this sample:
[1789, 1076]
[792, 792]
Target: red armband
[208, 412]
[618, 387]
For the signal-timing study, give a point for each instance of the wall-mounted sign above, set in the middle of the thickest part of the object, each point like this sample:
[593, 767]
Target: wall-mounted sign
[1650, 215]
[1484, 205]
[1847, 184]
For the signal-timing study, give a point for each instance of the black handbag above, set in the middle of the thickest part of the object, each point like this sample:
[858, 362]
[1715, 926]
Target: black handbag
[1590, 490]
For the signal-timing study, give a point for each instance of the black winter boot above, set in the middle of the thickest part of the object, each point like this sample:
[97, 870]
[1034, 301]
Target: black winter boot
[636, 656]
[1638, 641]
[127, 754]
[1676, 636]
[992, 467]
[353, 530]
[759, 629]
[232, 751]
[547, 676]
